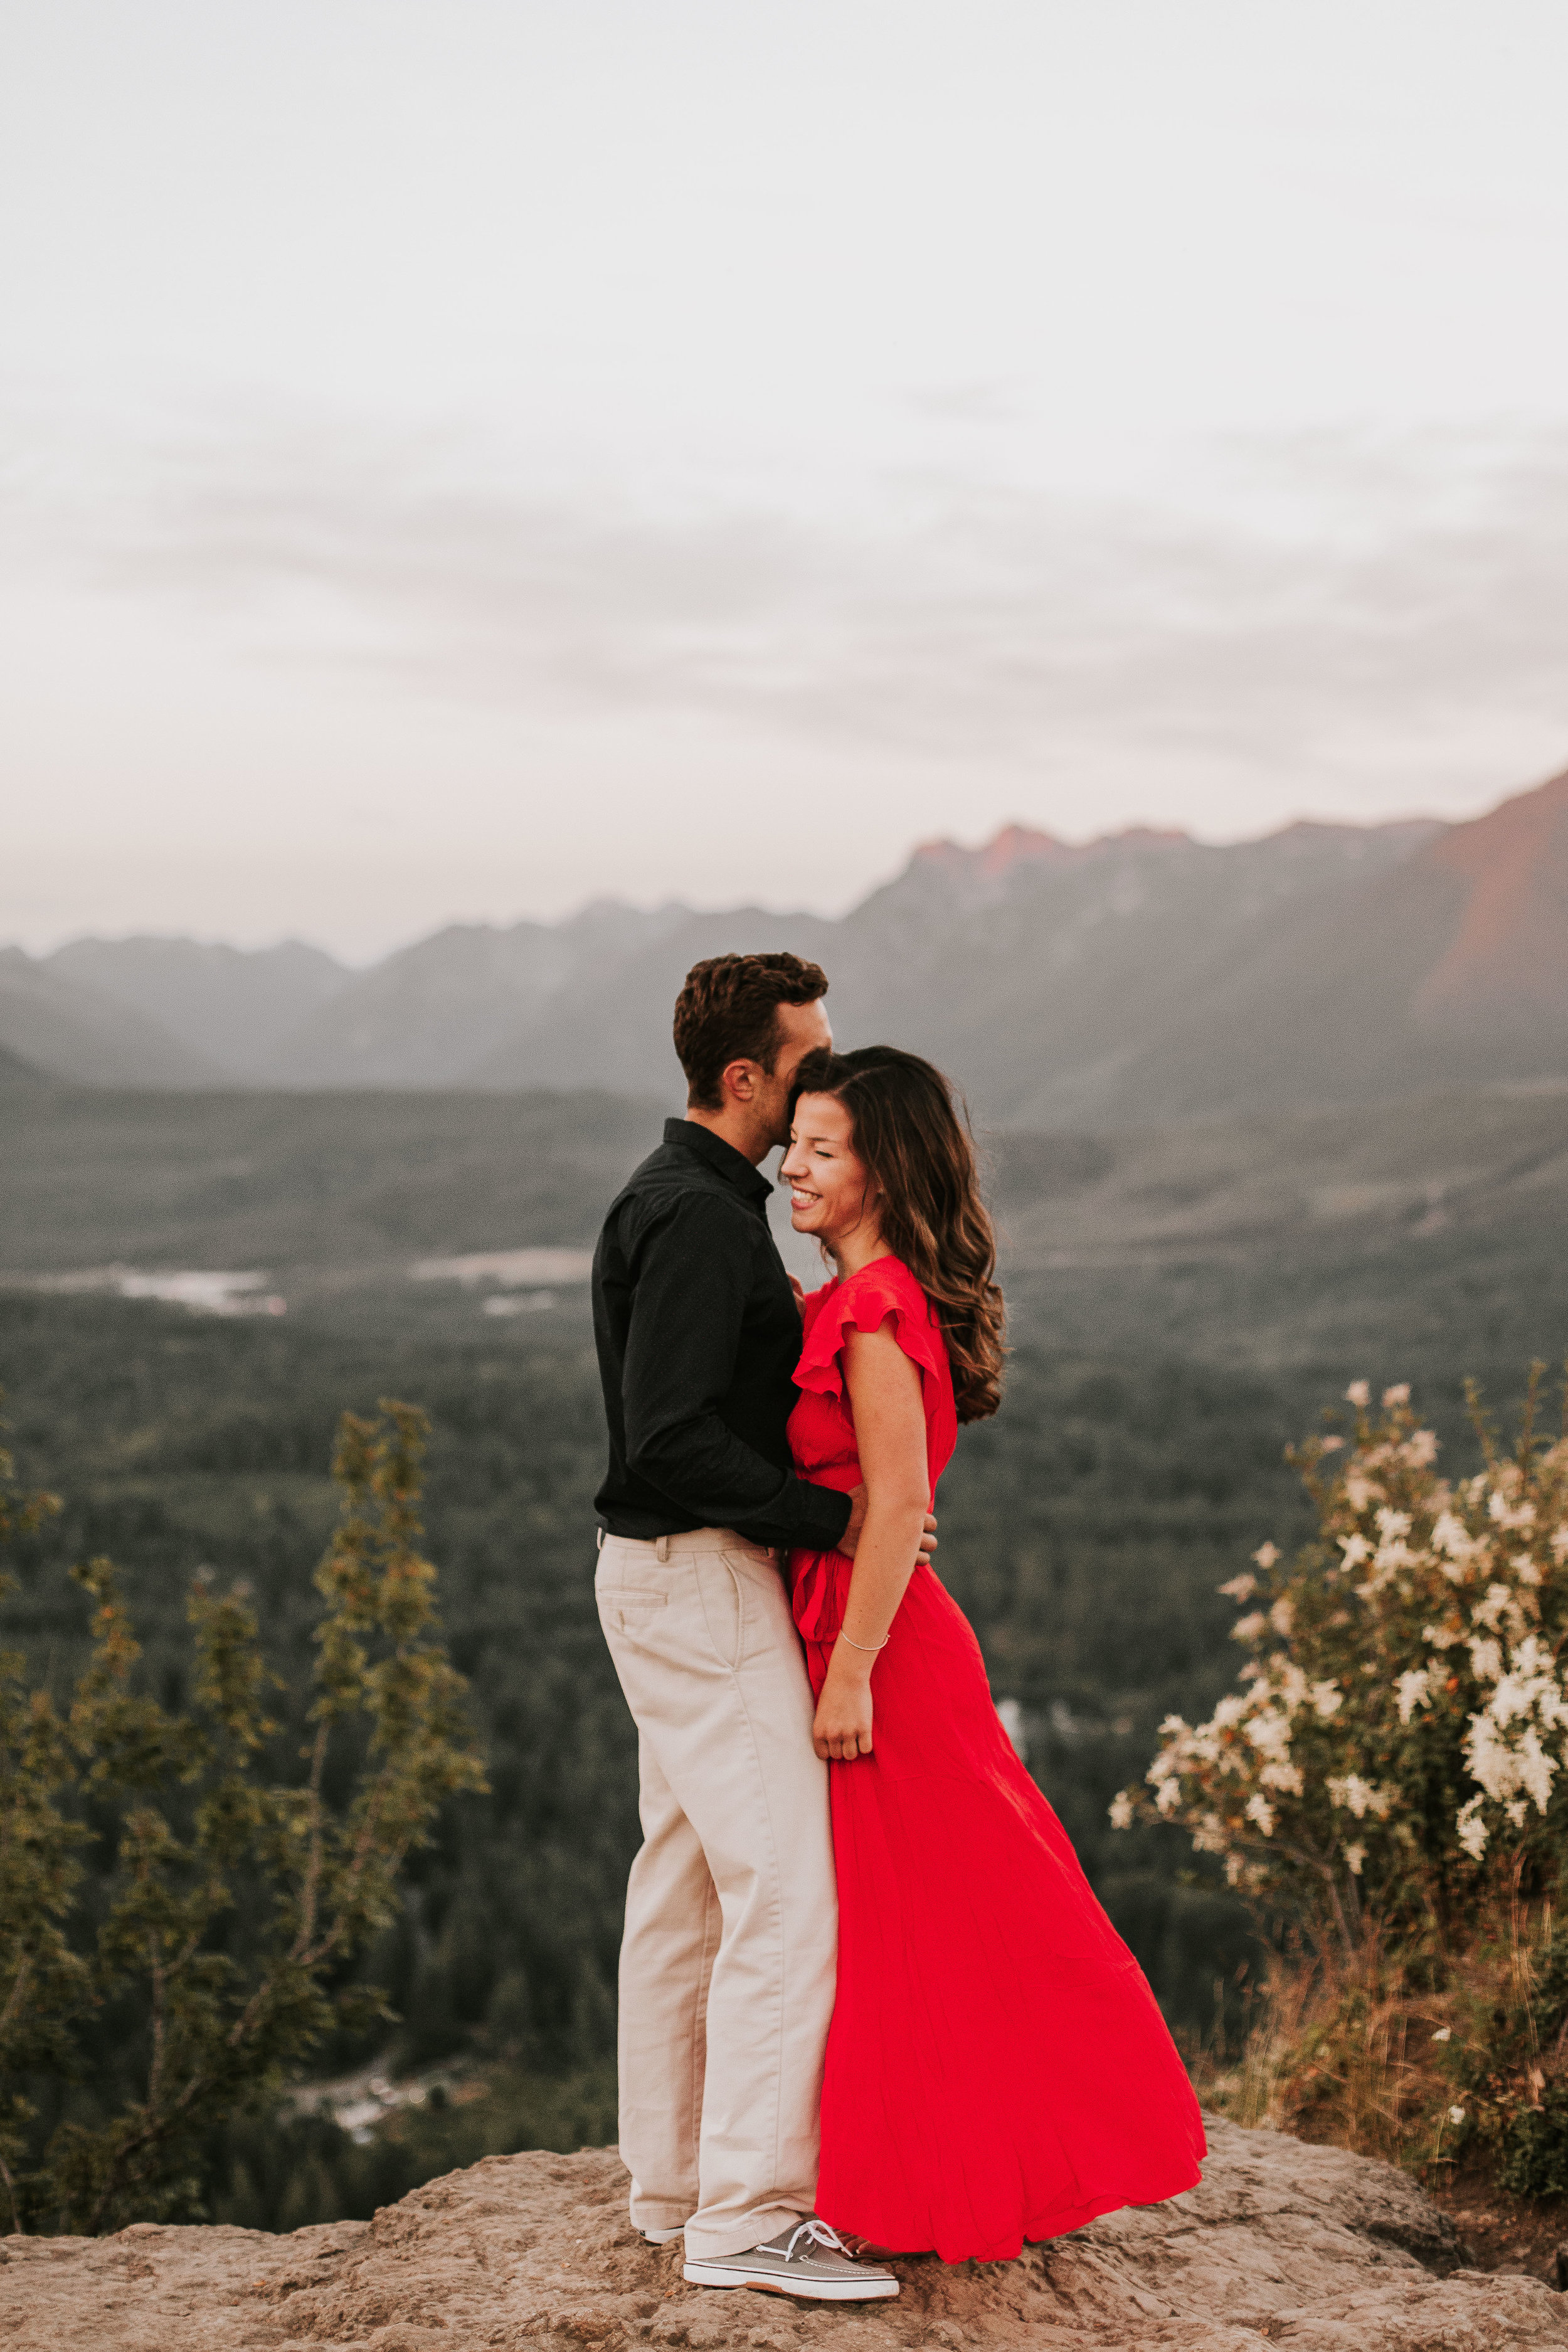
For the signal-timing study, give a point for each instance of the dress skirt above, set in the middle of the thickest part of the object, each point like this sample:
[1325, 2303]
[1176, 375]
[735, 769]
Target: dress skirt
[998, 2068]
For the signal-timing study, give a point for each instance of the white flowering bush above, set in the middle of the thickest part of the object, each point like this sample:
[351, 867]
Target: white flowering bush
[1394, 1756]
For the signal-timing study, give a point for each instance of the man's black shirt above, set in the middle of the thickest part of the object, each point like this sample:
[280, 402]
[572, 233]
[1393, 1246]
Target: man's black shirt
[698, 1334]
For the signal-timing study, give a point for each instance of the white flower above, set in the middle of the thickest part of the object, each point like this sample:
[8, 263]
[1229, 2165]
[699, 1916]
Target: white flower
[1327, 1699]
[1398, 1394]
[1420, 1448]
[1359, 1490]
[1286, 1777]
[1270, 1732]
[1490, 1757]
[1521, 1516]
[1560, 1545]
[1456, 2115]
[1121, 1812]
[1167, 1795]
[1390, 1557]
[1355, 1855]
[1531, 1688]
[1488, 1612]
[1241, 1588]
[1503, 1768]
[1537, 1770]
[1470, 1829]
[1448, 1535]
[1233, 1869]
[1356, 1549]
[1392, 1523]
[1361, 1796]
[1486, 1658]
[1441, 1637]
[1260, 1811]
[1283, 1616]
[1292, 1682]
[1266, 1555]
[1516, 1810]
[1359, 1394]
[1444, 2033]
[1414, 1689]
[1248, 1629]
[1329, 1444]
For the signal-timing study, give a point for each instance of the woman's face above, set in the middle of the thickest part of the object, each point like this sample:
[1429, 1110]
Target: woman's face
[830, 1190]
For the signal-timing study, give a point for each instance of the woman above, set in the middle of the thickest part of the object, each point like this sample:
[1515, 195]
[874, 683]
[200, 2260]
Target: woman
[997, 2069]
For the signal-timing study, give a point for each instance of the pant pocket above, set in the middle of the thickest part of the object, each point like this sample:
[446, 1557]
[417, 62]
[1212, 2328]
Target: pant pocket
[629, 1611]
[722, 1596]
[764, 1624]
[630, 1625]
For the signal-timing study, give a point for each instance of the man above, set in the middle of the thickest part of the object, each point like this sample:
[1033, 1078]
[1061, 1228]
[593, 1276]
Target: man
[730, 1943]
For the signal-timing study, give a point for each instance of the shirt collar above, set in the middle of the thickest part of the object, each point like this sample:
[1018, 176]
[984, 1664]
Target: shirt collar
[731, 1164]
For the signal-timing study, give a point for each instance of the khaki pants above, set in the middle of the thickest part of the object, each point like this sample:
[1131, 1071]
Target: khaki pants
[732, 1932]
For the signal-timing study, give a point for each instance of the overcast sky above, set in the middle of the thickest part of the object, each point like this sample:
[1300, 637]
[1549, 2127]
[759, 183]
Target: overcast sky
[467, 457]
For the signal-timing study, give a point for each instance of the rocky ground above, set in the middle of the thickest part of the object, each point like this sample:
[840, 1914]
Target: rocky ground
[1283, 2244]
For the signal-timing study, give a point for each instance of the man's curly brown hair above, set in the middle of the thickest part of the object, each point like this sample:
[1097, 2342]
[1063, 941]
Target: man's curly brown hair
[727, 1011]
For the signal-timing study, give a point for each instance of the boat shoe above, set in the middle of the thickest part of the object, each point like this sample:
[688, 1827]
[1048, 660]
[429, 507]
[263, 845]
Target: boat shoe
[809, 2259]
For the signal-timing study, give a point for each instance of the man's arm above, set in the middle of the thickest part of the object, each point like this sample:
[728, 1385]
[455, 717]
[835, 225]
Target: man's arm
[693, 1265]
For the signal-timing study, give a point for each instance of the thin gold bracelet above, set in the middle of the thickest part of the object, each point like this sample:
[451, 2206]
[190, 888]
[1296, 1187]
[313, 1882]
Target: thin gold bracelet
[872, 1646]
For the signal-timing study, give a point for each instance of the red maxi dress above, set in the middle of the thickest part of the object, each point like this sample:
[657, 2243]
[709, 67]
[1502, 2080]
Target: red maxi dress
[997, 2069]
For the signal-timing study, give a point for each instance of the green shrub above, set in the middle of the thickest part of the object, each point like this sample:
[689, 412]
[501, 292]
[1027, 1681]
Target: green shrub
[1386, 1789]
[234, 1882]
[1395, 1755]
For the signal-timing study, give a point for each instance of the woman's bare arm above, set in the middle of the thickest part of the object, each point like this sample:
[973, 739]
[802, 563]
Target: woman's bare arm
[884, 1392]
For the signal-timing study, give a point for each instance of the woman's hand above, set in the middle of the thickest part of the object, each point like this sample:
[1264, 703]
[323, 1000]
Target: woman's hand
[843, 1726]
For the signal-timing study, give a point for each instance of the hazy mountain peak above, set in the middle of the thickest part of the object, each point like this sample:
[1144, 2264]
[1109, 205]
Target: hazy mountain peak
[229, 1006]
[1510, 943]
[66, 1025]
[1022, 845]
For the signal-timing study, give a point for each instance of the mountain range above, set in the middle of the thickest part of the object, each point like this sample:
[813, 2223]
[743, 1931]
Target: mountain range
[1139, 978]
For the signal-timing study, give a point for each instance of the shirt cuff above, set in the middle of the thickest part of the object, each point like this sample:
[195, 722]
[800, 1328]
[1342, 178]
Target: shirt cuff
[826, 1514]
[799, 1518]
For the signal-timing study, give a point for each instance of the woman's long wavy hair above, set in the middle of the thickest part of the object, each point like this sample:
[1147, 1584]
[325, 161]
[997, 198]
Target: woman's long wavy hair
[916, 1146]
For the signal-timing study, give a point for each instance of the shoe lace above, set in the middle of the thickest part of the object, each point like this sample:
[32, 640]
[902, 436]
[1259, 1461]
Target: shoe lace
[816, 2233]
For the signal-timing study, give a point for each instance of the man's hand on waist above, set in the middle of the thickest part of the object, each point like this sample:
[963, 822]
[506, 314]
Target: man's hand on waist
[851, 1536]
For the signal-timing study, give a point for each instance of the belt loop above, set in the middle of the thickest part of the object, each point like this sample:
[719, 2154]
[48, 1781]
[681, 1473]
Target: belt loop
[662, 1547]
[599, 1536]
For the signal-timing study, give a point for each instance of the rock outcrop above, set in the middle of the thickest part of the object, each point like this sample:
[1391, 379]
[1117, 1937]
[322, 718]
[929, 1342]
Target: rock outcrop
[1282, 2244]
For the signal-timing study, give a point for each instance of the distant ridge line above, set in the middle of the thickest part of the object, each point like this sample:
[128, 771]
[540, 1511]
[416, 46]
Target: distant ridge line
[1022, 845]
[1137, 978]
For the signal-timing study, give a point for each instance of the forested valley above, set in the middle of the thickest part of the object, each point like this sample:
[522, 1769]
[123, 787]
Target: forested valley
[1137, 1462]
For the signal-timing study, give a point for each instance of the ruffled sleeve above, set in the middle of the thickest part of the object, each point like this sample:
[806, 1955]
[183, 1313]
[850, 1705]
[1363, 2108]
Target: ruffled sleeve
[884, 1291]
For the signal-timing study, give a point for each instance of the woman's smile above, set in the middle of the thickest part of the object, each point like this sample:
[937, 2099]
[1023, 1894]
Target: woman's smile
[830, 1190]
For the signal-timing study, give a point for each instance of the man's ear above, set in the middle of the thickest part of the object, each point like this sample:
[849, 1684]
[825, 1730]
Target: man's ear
[739, 1079]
